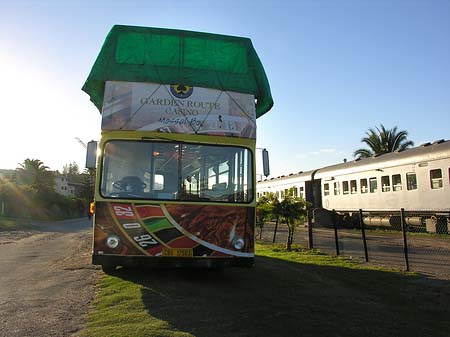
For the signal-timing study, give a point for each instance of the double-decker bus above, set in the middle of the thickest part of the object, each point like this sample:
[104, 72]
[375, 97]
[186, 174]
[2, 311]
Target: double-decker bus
[175, 166]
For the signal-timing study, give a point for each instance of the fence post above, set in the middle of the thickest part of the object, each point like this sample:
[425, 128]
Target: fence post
[310, 229]
[336, 240]
[405, 243]
[363, 232]
[275, 231]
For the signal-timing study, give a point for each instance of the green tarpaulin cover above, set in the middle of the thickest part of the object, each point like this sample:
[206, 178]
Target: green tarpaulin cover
[168, 56]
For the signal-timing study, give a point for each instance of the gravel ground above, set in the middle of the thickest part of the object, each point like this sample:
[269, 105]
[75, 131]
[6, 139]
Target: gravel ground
[47, 281]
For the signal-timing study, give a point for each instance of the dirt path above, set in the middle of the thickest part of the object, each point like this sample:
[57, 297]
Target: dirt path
[46, 280]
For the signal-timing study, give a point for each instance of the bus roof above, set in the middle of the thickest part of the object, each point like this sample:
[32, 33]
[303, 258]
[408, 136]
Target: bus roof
[168, 56]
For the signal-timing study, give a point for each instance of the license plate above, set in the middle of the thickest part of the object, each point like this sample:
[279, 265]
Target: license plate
[177, 252]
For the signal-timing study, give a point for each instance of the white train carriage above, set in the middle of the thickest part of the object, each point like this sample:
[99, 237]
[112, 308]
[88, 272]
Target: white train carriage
[282, 184]
[413, 179]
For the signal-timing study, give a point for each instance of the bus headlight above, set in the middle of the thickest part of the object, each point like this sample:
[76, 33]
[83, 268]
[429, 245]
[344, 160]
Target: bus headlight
[113, 241]
[238, 243]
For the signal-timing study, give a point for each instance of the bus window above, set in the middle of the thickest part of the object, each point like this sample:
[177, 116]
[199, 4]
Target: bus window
[345, 188]
[353, 187]
[436, 179]
[397, 182]
[170, 170]
[326, 189]
[223, 173]
[411, 181]
[159, 182]
[385, 184]
[132, 169]
[363, 183]
[373, 185]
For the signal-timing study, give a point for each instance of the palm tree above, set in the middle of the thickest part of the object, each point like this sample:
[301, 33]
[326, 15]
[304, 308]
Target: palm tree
[383, 141]
[34, 173]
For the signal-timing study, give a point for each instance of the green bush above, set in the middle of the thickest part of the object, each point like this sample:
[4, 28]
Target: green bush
[25, 202]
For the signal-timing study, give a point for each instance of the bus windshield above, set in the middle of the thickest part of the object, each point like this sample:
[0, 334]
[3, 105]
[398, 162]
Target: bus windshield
[176, 171]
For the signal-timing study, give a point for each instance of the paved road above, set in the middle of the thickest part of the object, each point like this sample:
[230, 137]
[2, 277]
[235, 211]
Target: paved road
[46, 279]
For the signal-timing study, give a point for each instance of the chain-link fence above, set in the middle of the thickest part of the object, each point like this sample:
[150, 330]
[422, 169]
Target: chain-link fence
[408, 240]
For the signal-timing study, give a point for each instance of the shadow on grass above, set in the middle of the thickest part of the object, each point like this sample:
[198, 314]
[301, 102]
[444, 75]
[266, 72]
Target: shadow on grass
[279, 298]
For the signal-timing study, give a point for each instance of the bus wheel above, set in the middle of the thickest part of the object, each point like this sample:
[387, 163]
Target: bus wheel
[108, 268]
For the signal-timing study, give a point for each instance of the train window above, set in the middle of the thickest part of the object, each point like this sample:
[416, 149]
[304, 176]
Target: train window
[337, 190]
[373, 185]
[353, 187]
[326, 189]
[397, 182]
[385, 184]
[411, 181]
[436, 178]
[295, 191]
[345, 188]
[363, 183]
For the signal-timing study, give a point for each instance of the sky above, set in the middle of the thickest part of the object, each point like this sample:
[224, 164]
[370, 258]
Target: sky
[335, 68]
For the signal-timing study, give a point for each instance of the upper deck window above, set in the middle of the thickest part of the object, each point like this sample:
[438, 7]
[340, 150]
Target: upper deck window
[176, 171]
[436, 179]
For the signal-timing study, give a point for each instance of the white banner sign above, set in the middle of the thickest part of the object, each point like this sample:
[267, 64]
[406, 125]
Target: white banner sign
[177, 109]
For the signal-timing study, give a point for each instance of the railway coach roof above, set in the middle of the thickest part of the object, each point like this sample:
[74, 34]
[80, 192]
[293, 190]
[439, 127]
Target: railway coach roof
[424, 153]
[168, 56]
[288, 179]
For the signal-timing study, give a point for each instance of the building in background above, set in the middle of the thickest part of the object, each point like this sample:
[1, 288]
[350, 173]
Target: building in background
[66, 187]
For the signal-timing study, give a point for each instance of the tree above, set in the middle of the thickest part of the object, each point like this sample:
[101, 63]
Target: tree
[88, 185]
[292, 209]
[33, 173]
[382, 140]
[264, 207]
[71, 169]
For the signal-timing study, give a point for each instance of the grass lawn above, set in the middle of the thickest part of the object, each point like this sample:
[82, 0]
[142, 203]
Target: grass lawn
[300, 293]
[9, 224]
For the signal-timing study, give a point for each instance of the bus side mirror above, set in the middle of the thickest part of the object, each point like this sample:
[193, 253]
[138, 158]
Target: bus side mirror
[265, 157]
[91, 155]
